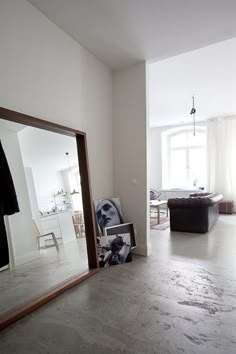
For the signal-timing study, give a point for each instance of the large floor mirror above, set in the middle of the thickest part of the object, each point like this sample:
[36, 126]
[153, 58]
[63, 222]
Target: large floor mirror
[47, 242]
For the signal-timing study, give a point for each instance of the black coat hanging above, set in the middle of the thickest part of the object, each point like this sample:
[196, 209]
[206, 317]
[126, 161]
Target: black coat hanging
[8, 205]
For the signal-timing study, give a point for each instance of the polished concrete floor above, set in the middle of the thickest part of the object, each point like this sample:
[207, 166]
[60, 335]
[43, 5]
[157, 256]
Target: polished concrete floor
[33, 278]
[182, 299]
[217, 247]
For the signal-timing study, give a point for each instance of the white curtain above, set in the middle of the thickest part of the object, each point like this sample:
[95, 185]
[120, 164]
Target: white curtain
[221, 157]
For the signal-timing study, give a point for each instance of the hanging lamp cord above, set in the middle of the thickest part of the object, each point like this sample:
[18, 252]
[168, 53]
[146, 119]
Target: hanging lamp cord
[193, 111]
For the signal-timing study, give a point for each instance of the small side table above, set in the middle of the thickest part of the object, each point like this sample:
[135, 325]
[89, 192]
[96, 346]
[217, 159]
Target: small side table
[156, 204]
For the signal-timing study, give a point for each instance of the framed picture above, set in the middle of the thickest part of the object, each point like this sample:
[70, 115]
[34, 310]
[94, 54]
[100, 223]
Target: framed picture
[127, 228]
[115, 249]
[107, 213]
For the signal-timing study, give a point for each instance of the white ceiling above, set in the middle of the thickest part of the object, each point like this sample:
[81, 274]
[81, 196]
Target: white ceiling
[208, 73]
[123, 32]
[46, 150]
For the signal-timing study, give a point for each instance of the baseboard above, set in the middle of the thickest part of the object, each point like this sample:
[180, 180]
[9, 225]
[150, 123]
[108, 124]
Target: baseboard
[4, 268]
[27, 258]
[143, 249]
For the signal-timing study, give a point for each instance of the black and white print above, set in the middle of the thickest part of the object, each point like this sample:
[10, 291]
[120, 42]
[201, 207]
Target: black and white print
[122, 229]
[108, 213]
[115, 249]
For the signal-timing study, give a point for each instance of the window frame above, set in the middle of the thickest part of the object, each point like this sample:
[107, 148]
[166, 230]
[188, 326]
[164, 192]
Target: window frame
[166, 153]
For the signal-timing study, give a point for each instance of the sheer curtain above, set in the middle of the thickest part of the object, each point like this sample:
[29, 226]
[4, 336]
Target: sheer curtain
[221, 157]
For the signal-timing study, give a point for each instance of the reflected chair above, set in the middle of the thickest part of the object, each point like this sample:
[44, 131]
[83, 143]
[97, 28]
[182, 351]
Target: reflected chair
[38, 236]
[78, 221]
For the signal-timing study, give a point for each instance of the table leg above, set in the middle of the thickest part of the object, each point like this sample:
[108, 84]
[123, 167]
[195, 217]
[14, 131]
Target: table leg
[158, 214]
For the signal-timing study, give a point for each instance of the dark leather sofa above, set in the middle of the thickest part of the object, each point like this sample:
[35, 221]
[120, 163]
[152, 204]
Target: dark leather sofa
[198, 213]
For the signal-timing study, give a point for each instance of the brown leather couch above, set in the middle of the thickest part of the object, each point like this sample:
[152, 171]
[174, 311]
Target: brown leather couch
[198, 213]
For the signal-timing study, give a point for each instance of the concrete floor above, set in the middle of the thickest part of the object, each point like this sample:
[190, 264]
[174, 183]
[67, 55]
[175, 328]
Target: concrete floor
[31, 279]
[182, 299]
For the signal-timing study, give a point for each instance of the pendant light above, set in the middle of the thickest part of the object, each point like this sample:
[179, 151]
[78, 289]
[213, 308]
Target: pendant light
[193, 111]
[74, 191]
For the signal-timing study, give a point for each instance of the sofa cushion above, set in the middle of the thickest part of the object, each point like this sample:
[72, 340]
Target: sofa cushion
[198, 201]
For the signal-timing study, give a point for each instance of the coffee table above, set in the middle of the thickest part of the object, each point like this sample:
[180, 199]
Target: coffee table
[156, 204]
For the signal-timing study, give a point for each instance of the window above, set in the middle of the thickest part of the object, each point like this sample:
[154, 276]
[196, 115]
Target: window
[184, 158]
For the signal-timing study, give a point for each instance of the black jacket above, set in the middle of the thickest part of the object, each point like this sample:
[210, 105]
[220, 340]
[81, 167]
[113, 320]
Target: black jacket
[8, 199]
[8, 205]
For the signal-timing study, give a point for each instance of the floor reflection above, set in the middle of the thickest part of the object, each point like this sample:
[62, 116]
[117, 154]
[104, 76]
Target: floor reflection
[28, 280]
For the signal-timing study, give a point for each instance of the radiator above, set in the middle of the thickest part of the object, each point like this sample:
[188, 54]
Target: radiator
[226, 207]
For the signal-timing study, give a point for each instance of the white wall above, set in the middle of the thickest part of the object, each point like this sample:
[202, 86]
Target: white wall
[46, 74]
[130, 155]
[155, 158]
[20, 224]
[44, 152]
[32, 197]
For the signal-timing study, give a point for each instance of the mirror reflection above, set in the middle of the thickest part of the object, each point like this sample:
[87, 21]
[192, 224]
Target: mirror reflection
[44, 242]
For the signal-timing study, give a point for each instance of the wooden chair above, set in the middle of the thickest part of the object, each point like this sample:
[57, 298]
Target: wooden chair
[78, 221]
[38, 236]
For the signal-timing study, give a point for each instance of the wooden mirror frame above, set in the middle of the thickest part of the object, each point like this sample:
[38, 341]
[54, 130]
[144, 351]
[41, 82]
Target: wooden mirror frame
[30, 305]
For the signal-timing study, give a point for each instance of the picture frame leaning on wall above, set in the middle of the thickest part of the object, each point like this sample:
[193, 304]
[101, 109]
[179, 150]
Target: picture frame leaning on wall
[127, 228]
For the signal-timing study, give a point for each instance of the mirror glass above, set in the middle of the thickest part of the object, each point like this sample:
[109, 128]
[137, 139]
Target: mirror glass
[46, 237]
